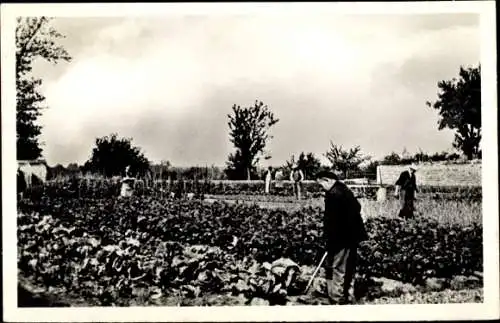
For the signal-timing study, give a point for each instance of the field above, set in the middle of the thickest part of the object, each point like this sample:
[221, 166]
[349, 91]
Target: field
[460, 212]
[80, 245]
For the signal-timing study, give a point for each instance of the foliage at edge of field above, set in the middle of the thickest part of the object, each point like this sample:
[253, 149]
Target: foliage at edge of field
[397, 249]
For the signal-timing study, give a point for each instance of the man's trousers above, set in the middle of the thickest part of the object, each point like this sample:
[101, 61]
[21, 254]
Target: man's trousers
[297, 190]
[340, 268]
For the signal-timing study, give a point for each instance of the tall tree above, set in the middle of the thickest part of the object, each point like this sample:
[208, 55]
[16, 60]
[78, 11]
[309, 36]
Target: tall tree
[35, 38]
[111, 155]
[459, 105]
[347, 162]
[249, 127]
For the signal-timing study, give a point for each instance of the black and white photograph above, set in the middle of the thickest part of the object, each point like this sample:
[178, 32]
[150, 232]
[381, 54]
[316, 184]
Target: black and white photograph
[231, 161]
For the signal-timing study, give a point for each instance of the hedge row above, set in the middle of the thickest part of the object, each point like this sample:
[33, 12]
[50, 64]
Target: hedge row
[310, 189]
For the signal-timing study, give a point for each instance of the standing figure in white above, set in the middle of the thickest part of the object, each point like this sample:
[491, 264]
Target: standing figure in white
[269, 177]
[127, 183]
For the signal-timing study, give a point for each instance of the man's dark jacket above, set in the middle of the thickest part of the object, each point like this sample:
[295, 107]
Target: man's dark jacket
[408, 185]
[343, 224]
[21, 182]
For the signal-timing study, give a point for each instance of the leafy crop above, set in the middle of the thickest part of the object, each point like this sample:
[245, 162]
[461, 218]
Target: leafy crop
[412, 251]
[110, 250]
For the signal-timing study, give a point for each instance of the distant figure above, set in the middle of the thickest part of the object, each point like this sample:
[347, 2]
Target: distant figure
[35, 172]
[405, 190]
[296, 177]
[278, 178]
[21, 183]
[127, 183]
[268, 179]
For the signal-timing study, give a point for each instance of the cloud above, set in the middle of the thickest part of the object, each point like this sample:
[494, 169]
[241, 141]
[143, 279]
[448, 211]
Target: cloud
[170, 83]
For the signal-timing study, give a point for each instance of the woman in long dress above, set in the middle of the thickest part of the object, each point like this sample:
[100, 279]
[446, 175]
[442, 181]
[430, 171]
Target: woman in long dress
[406, 190]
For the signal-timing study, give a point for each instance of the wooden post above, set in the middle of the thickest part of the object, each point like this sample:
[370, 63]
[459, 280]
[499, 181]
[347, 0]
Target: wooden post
[161, 181]
[381, 194]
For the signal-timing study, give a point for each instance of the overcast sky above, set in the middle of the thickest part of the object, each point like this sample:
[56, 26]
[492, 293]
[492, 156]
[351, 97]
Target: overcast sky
[170, 83]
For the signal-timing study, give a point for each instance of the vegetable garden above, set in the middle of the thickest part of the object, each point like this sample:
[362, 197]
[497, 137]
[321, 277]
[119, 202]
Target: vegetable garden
[86, 246]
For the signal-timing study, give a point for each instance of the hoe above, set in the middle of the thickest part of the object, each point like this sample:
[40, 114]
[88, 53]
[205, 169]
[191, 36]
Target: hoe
[315, 273]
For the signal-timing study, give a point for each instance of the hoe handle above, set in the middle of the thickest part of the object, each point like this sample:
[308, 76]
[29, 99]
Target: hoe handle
[315, 272]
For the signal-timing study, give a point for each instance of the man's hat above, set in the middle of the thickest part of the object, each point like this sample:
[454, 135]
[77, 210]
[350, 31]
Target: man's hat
[413, 166]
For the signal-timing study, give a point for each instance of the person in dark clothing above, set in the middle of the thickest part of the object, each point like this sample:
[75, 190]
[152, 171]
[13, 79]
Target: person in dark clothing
[406, 189]
[343, 231]
[21, 184]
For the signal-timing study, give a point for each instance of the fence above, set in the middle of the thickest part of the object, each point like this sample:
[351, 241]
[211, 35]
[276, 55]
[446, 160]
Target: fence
[109, 188]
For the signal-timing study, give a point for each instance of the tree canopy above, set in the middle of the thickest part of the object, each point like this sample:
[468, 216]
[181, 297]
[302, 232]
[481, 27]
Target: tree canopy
[308, 163]
[35, 38]
[459, 107]
[345, 161]
[111, 155]
[249, 133]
